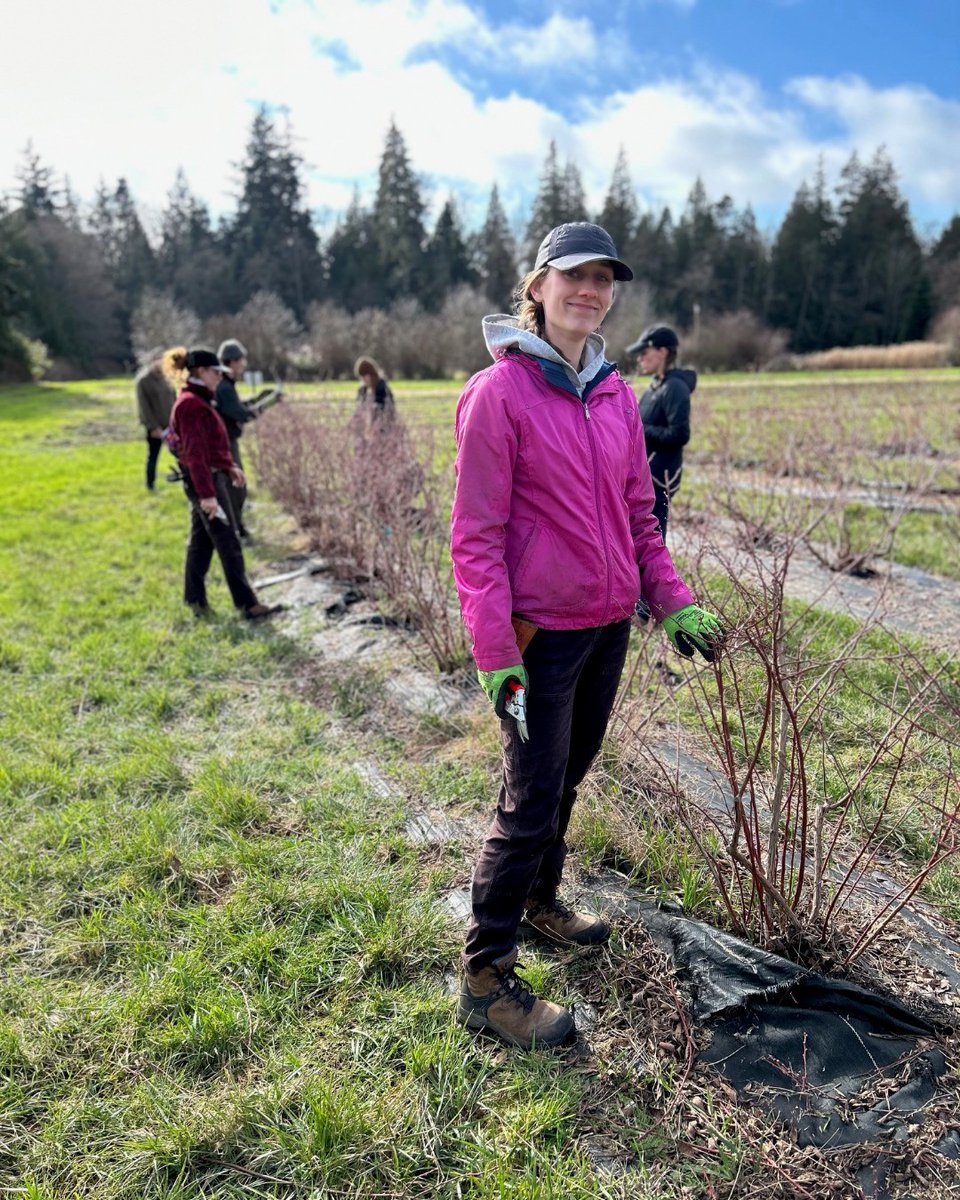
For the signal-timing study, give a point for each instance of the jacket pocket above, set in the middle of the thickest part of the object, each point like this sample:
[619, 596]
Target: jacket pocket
[523, 562]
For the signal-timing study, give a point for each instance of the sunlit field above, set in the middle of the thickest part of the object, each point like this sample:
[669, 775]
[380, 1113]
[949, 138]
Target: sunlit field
[227, 966]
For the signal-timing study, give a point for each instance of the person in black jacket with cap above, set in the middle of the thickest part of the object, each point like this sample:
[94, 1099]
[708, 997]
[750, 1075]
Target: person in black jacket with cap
[233, 359]
[665, 412]
[235, 412]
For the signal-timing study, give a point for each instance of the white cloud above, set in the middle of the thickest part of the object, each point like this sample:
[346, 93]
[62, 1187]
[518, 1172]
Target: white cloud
[920, 130]
[124, 88]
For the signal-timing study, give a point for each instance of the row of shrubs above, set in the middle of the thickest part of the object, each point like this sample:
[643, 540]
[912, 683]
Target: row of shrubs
[375, 503]
[413, 343]
[806, 828]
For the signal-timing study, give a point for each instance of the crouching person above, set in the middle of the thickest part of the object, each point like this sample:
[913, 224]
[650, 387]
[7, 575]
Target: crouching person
[552, 528]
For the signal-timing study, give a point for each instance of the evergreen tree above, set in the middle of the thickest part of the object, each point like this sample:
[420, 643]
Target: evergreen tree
[13, 297]
[100, 219]
[36, 193]
[133, 262]
[574, 197]
[69, 301]
[192, 263]
[944, 265]
[495, 253]
[652, 256]
[883, 291]
[115, 224]
[447, 261]
[697, 246]
[742, 268]
[352, 277]
[619, 213]
[720, 259]
[398, 228]
[70, 206]
[560, 199]
[549, 206]
[802, 268]
[184, 230]
[272, 242]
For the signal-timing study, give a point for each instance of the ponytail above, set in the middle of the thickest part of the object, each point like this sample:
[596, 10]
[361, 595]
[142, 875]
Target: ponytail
[175, 364]
[529, 312]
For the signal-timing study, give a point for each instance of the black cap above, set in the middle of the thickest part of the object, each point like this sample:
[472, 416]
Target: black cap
[661, 337]
[579, 242]
[202, 358]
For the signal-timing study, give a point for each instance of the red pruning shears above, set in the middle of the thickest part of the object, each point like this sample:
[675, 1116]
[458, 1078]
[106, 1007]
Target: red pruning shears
[513, 702]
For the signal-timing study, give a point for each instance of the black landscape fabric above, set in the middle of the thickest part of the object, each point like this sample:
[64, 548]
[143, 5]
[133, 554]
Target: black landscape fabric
[836, 1062]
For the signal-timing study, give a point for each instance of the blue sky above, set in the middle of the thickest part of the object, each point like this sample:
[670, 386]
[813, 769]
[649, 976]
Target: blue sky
[749, 94]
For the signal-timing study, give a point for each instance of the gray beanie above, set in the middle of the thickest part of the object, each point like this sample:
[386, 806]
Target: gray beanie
[231, 350]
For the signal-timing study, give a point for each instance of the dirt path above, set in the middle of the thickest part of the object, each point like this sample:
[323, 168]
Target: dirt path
[904, 599]
[336, 629]
[931, 500]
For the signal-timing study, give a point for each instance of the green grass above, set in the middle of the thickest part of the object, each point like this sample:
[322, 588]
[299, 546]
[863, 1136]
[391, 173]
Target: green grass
[223, 972]
[223, 969]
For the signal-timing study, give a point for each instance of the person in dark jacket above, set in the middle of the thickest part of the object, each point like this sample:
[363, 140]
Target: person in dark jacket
[155, 399]
[374, 398]
[233, 359]
[665, 412]
[208, 468]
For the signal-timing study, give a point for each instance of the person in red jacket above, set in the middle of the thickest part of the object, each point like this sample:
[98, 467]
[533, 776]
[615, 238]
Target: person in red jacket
[553, 539]
[208, 467]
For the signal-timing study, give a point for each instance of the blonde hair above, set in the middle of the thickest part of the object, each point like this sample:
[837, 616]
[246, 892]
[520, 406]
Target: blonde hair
[175, 364]
[529, 312]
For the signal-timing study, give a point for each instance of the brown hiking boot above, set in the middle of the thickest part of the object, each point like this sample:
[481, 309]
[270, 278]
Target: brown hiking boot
[554, 920]
[257, 612]
[495, 998]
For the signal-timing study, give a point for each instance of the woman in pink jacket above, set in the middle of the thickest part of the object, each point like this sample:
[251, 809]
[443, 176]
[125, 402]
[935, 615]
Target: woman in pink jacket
[553, 541]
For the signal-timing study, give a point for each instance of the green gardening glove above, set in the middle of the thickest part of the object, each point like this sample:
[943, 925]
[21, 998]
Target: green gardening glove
[494, 684]
[692, 628]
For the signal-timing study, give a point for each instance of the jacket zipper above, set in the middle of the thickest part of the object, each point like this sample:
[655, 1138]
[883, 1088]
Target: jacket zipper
[596, 501]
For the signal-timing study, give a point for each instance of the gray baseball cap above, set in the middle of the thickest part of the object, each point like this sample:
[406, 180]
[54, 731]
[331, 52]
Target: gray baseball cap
[579, 242]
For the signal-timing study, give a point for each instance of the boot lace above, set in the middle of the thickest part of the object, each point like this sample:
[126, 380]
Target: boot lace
[514, 988]
[553, 907]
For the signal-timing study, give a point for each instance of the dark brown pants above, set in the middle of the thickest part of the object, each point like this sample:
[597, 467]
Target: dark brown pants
[573, 680]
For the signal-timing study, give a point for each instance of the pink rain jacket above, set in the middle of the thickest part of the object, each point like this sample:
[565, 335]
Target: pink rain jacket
[553, 510]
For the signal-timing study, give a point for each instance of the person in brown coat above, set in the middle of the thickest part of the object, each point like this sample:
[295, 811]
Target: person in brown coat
[155, 399]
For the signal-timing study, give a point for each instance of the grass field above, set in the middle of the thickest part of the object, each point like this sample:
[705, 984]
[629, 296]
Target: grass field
[225, 970]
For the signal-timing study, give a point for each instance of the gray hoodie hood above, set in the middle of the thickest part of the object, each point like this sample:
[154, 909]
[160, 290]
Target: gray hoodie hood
[501, 332]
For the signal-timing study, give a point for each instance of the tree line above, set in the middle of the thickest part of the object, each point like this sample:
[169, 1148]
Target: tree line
[84, 284]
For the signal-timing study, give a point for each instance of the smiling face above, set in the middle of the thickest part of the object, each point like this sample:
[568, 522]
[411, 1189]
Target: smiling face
[575, 301]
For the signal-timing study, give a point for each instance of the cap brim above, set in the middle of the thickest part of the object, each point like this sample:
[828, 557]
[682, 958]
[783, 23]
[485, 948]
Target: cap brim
[634, 348]
[620, 269]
